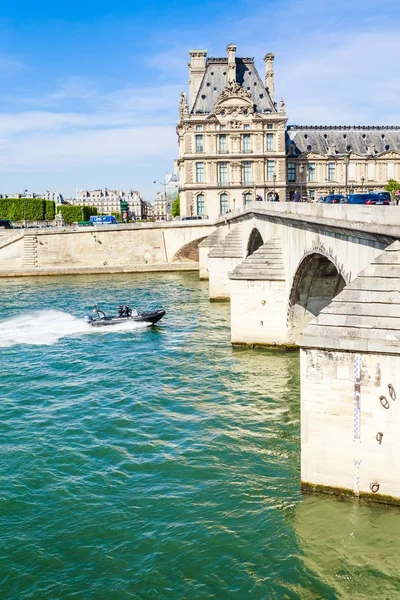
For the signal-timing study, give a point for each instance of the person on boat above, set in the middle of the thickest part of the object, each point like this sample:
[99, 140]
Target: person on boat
[128, 311]
[121, 310]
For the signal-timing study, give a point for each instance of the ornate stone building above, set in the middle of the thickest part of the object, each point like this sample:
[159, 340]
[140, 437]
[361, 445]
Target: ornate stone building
[234, 145]
[231, 135]
[333, 159]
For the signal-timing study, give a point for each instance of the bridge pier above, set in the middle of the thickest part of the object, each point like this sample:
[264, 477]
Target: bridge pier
[222, 259]
[350, 366]
[258, 299]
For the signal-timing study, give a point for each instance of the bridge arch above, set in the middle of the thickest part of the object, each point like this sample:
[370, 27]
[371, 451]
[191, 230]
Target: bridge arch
[255, 241]
[189, 252]
[318, 279]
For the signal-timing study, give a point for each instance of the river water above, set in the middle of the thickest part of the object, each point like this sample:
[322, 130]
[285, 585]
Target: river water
[160, 463]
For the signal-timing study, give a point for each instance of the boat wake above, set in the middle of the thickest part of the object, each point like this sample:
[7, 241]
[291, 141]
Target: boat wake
[47, 327]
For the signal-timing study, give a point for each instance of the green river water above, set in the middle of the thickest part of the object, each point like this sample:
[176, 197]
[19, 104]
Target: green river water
[160, 463]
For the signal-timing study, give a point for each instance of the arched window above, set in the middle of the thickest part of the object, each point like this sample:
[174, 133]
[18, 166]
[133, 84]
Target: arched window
[223, 204]
[201, 205]
[247, 198]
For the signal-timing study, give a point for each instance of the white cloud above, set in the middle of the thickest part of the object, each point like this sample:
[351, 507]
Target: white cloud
[87, 147]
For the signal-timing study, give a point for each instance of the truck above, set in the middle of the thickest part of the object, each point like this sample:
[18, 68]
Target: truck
[103, 220]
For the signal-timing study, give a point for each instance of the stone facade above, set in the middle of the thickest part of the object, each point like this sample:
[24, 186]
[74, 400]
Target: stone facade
[317, 156]
[231, 135]
[234, 145]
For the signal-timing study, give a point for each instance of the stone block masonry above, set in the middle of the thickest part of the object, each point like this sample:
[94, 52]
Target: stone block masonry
[119, 248]
[350, 387]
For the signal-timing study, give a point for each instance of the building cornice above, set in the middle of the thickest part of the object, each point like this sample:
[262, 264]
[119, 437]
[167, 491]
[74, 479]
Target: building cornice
[346, 127]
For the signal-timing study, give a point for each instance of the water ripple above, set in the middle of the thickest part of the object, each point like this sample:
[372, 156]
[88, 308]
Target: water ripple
[160, 463]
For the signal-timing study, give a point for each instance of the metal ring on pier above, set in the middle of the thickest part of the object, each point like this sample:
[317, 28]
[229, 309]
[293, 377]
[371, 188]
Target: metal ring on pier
[261, 322]
[263, 302]
[384, 401]
[379, 437]
[374, 487]
[392, 392]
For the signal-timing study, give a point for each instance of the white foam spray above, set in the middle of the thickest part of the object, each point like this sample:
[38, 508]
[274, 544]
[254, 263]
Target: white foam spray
[47, 327]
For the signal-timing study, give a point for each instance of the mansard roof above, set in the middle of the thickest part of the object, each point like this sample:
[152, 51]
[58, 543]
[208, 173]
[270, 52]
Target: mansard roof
[339, 139]
[215, 80]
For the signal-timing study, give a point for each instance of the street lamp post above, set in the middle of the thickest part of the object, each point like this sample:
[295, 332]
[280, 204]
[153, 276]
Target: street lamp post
[346, 160]
[301, 171]
[362, 184]
[274, 182]
[167, 205]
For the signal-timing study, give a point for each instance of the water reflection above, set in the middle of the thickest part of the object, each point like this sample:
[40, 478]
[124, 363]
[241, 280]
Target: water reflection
[353, 547]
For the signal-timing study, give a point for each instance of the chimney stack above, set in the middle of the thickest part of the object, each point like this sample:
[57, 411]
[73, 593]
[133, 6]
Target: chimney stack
[269, 74]
[197, 68]
[231, 50]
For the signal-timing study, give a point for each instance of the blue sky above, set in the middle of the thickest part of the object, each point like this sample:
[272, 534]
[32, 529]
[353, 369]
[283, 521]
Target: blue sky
[90, 90]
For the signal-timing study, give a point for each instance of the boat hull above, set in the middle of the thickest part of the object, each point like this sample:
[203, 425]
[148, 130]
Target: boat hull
[151, 317]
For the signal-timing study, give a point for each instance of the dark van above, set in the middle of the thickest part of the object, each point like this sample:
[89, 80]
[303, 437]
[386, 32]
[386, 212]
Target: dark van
[5, 224]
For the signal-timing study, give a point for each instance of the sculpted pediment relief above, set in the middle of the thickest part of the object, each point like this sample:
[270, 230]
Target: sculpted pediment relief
[234, 100]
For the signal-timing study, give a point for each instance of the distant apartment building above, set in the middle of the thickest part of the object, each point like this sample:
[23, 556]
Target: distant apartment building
[161, 207]
[109, 201]
[55, 196]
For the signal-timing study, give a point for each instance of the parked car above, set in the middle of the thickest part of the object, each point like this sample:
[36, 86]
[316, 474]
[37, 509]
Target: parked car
[335, 199]
[385, 198]
[6, 224]
[368, 198]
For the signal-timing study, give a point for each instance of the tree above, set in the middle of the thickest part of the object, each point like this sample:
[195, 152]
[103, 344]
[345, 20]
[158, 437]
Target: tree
[176, 207]
[391, 186]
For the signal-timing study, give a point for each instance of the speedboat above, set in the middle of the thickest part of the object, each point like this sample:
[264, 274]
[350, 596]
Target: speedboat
[102, 320]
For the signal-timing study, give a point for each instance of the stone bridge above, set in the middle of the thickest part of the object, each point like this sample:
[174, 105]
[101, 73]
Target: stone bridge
[284, 265]
[281, 265]
[103, 248]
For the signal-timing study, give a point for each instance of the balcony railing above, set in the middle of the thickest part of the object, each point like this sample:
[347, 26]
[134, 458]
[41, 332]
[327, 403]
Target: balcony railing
[223, 151]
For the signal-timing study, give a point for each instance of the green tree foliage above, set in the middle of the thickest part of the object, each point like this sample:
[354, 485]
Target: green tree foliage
[176, 207]
[88, 211]
[391, 186]
[118, 216]
[50, 209]
[73, 214]
[31, 209]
